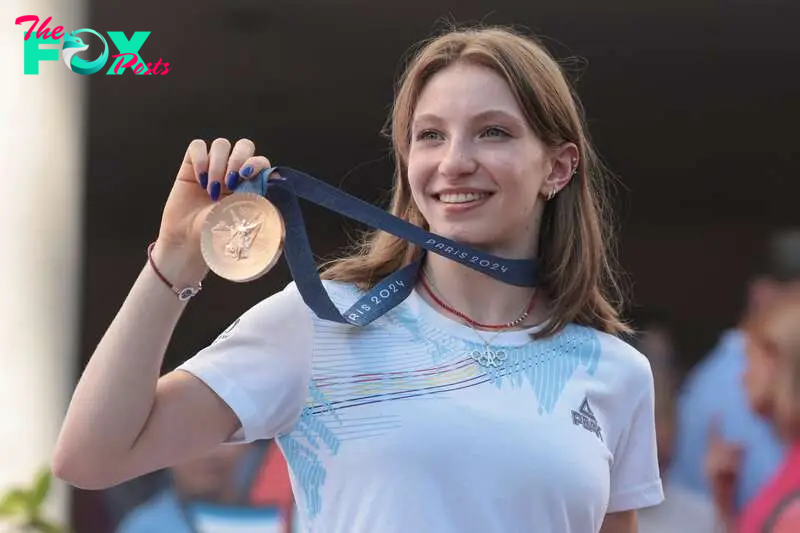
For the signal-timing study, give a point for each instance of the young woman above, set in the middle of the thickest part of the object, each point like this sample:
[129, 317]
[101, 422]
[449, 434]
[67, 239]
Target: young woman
[772, 381]
[396, 426]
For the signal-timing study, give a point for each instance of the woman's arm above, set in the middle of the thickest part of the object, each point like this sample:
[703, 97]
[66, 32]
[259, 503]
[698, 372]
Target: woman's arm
[123, 421]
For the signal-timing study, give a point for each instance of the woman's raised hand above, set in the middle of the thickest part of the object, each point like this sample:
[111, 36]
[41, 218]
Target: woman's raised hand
[206, 175]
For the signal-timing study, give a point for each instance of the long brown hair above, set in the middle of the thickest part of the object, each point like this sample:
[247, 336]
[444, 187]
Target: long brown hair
[575, 244]
[776, 329]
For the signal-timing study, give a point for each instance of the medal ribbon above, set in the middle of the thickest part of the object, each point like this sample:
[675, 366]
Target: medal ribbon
[283, 192]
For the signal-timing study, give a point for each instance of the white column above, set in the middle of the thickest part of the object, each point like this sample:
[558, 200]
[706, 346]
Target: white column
[42, 132]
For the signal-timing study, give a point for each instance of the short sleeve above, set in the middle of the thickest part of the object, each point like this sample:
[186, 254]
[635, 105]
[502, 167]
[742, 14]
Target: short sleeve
[260, 365]
[635, 476]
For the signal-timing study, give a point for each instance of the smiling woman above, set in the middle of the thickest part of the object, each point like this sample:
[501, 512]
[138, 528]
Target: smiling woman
[473, 405]
[490, 113]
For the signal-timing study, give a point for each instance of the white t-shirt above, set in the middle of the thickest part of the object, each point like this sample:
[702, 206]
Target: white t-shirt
[393, 428]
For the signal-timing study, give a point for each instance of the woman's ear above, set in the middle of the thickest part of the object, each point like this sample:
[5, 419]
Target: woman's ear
[565, 164]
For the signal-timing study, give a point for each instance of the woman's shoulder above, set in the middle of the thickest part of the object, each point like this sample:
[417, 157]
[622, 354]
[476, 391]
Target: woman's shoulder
[282, 303]
[624, 362]
[291, 296]
[345, 291]
[288, 303]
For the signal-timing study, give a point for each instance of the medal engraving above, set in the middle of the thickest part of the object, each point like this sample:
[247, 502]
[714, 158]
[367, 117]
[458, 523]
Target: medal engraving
[243, 237]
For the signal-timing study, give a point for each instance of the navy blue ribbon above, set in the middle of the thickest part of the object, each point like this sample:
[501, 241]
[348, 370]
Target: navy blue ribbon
[283, 192]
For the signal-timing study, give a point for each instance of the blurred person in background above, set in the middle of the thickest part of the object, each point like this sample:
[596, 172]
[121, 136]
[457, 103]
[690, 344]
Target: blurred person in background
[272, 487]
[772, 382]
[682, 510]
[222, 478]
[713, 391]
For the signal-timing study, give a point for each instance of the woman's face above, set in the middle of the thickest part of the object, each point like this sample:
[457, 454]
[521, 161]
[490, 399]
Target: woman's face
[476, 169]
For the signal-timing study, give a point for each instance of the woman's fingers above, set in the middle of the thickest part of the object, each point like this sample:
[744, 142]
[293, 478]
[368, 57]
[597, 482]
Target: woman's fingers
[220, 168]
[218, 162]
[242, 151]
[253, 166]
[195, 163]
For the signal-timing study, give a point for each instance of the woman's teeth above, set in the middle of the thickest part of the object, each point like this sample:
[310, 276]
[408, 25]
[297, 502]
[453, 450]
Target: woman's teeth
[462, 197]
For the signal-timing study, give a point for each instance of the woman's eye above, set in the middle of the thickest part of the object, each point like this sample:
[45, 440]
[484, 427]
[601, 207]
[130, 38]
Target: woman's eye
[494, 131]
[427, 135]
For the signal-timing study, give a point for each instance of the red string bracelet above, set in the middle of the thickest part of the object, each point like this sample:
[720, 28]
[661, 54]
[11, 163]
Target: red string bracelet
[182, 294]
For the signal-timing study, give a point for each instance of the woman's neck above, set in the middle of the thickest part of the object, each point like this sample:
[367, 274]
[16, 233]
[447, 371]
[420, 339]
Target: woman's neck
[478, 296]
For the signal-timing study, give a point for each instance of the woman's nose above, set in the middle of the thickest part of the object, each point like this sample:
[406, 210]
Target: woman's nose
[459, 159]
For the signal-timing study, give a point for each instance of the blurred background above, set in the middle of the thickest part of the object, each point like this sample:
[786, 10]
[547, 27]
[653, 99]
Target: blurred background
[692, 104]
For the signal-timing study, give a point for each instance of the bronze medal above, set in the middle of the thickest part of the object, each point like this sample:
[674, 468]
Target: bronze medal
[242, 237]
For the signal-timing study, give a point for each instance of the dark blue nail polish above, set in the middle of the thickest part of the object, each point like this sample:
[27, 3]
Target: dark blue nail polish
[233, 179]
[204, 179]
[216, 187]
[246, 171]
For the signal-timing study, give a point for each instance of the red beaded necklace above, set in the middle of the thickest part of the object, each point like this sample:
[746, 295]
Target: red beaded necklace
[475, 323]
